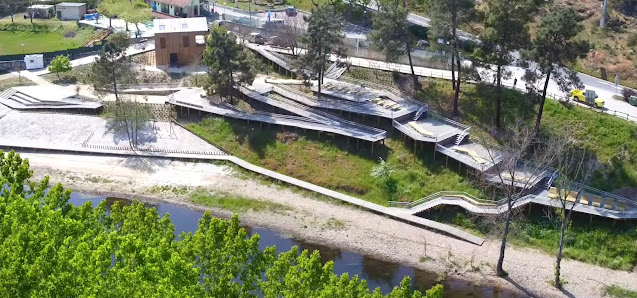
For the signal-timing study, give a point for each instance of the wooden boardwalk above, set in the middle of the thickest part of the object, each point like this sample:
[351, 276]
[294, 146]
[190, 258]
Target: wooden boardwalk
[395, 213]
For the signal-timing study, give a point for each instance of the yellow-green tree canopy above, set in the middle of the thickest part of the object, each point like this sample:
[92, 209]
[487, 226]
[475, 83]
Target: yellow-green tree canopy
[49, 247]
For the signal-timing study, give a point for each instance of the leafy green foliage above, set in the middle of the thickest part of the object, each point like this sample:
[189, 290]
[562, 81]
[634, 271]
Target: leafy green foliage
[227, 61]
[60, 63]
[52, 248]
[505, 32]
[391, 31]
[323, 35]
[332, 163]
[112, 68]
[553, 48]
[602, 242]
[619, 292]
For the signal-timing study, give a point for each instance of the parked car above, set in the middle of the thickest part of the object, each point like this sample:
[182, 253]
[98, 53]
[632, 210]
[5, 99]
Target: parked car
[290, 11]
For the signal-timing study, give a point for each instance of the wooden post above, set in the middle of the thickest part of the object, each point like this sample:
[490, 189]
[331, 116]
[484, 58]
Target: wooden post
[415, 147]
[357, 143]
[372, 149]
[591, 220]
[529, 213]
[446, 160]
[347, 142]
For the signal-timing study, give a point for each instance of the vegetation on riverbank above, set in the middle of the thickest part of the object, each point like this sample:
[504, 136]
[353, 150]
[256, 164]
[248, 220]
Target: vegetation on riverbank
[53, 248]
[619, 292]
[333, 164]
[598, 241]
[234, 204]
[613, 141]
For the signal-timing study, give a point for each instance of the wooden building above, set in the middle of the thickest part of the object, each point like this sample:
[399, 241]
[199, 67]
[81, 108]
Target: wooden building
[179, 42]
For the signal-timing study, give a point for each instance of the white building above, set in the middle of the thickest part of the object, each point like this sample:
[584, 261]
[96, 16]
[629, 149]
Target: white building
[70, 10]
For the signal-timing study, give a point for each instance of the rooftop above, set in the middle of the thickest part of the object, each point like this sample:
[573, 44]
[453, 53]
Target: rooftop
[179, 3]
[180, 25]
[76, 4]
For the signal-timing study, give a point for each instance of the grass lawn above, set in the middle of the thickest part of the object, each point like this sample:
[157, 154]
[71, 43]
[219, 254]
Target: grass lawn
[619, 292]
[613, 141]
[15, 82]
[43, 36]
[330, 164]
[598, 242]
[235, 204]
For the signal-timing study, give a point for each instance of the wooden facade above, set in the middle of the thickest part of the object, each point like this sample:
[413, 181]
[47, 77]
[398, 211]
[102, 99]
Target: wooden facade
[182, 46]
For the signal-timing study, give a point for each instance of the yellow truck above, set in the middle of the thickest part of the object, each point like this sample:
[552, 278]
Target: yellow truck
[588, 97]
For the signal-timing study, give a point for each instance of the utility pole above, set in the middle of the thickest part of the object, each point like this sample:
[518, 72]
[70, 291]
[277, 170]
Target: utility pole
[602, 22]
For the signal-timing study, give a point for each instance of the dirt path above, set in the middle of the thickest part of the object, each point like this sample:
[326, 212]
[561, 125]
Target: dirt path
[312, 219]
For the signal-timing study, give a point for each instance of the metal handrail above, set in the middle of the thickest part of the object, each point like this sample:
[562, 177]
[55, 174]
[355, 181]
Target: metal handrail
[449, 121]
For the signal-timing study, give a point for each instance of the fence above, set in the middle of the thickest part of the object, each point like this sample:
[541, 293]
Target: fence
[18, 64]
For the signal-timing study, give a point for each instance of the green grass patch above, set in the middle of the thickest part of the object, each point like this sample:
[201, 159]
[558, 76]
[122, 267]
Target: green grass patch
[598, 241]
[15, 82]
[619, 292]
[21, 38]
[233, 203]
[333, 164]
[612, 140]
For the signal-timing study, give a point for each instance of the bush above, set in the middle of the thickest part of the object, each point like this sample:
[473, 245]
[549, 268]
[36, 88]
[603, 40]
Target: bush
[627, 93]
[632, 39]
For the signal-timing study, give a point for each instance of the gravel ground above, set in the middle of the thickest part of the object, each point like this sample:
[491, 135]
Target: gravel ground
[70, 131]
[529, 270]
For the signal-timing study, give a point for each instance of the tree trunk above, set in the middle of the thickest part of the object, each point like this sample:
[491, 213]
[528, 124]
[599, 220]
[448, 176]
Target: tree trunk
[507, 225]
[456, 95]
[539, 113]
[558, 261]
[454, 37]
[110, 22]
[408, 47]
[453, 73]
[115, 86]
[411, 64]
[498, 98]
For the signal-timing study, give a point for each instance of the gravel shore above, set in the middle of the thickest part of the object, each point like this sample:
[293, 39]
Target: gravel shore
[530, 271]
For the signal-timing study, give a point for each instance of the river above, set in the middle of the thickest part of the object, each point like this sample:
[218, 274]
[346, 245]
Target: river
[377, 273]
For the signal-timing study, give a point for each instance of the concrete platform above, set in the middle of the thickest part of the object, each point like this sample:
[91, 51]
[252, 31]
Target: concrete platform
[45, 97]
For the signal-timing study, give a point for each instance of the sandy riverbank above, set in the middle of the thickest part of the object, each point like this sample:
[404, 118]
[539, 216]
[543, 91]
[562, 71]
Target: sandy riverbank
[311, 220]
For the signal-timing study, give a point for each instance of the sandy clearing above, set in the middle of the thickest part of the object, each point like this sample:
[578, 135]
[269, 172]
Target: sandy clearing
[529, 270]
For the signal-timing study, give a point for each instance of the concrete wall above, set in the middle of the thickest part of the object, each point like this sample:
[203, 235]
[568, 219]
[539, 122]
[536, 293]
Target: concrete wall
[71, 12]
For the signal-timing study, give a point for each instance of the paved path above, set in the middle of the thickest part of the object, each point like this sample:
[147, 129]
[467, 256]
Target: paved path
[132, 50]
[395, 213]
[614, 107]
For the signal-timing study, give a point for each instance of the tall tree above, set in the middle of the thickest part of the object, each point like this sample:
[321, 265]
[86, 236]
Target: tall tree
[227, 62]
[515, 171]
[112, 68]
[51, 248]
[575, 167]
[324, 31]
[505, 32]
[221, 58]
[446, 17]
[552, 49]
[135, 12]
[111, 9]
[391, 32]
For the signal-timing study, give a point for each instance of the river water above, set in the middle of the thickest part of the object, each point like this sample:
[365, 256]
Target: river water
[377, 273]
